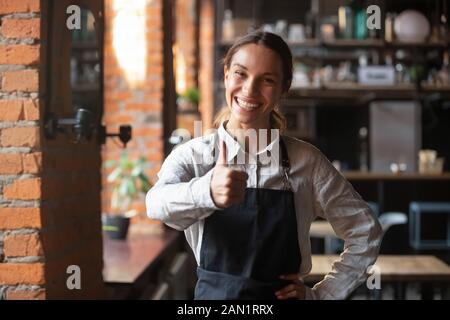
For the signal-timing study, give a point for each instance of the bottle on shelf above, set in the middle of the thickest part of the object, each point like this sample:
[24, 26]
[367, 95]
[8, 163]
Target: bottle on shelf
[389, 34]
[360, 19]
[443, 75]
[443, 27]
[227, 26]
[363, 149]
[345, 22]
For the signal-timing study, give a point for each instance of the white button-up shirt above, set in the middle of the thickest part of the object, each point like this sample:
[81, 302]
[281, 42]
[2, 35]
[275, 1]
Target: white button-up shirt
[181, 198]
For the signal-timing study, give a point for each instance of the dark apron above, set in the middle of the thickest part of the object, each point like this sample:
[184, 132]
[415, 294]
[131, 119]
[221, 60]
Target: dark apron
[247, 246]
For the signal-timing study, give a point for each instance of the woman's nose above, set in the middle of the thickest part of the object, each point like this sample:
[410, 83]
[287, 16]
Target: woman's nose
[250, 86]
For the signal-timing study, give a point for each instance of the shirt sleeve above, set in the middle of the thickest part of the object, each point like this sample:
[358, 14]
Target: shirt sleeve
[179, 198]
[353, 221]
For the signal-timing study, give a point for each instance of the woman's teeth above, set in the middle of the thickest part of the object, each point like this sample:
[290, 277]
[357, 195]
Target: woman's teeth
[245, 105]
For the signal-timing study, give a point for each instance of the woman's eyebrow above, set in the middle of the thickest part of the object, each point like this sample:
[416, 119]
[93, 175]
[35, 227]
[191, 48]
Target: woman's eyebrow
[274, 74]
[239, 65]
[270, 74]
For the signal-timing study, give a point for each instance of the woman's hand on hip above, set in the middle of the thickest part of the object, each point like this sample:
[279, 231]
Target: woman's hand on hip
[295, 290]
[227, 185]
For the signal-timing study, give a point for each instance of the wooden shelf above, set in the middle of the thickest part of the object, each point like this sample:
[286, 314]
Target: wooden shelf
[377, 43]
[359, 175]
[353, 43]
[342, 90]
[368, 92]
[364, 87]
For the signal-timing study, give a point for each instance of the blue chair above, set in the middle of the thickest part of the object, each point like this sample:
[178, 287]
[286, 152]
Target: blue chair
[416, 210]
[389, 219]
[395, 233]
[375, 207]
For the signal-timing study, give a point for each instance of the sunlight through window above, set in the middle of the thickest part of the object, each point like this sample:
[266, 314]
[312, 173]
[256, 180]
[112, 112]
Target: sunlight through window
[129, 41]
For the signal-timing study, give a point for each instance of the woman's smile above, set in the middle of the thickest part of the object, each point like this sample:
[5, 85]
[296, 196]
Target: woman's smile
[246, 104]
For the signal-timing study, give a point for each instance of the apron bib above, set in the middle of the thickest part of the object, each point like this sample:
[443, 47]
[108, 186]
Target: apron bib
[247, 246]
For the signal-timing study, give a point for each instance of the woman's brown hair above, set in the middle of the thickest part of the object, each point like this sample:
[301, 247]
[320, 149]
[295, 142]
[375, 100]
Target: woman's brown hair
[277, 44]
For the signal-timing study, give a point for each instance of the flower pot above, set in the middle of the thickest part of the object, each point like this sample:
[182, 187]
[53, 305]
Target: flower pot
[116, 227]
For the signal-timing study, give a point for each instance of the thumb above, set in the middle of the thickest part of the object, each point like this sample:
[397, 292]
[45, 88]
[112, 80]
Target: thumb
[222, 159]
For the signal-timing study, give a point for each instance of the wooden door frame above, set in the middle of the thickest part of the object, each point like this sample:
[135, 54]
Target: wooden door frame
[169, 108]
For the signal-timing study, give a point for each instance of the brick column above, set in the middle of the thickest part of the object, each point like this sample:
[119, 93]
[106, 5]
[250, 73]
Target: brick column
[186, 18]
[21, 255]
[49, 189]
[206, 73]
[186, 41]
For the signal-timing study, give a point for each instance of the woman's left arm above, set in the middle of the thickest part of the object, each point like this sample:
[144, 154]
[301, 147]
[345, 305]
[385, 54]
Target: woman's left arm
[353, 221]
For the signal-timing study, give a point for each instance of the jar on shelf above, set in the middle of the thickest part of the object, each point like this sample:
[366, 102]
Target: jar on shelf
[345, 22]
[227, 26]
[389, 34]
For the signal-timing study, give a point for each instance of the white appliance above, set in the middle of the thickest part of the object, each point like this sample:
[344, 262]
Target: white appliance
[395, 134]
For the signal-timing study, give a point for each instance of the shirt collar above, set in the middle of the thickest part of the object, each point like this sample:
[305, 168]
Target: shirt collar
[234, 148]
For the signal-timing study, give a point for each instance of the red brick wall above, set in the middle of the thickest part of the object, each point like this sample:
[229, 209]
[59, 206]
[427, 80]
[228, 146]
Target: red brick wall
[49, 190]
[22, 265]
[186, 17]
[206, 67]
[141, 107]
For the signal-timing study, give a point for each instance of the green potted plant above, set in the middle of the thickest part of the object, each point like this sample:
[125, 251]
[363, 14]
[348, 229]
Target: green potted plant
[128, 181]
[188, 100]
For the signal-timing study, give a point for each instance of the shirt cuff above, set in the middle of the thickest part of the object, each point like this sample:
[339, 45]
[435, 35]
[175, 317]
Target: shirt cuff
[309, 293]
[201, 192]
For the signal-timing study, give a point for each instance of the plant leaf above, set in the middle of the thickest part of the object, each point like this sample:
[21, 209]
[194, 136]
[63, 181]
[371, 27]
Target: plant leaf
[131, 190]
[110, 163]
[112, 177]
[115, 199]
[136, 171]
[145, 183]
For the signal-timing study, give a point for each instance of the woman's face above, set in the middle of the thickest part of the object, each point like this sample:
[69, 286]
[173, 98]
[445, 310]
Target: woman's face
[253, 84]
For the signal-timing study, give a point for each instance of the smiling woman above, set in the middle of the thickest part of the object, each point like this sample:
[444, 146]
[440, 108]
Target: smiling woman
[248, 225]
[252, 90]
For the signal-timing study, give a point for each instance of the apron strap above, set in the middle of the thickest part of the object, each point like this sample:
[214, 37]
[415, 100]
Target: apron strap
[286, 165]
[284, 155]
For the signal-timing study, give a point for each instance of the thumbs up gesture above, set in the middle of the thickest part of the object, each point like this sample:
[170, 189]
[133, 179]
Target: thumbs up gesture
[227, 185]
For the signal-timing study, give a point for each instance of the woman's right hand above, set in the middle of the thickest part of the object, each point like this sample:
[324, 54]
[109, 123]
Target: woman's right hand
[227, 185]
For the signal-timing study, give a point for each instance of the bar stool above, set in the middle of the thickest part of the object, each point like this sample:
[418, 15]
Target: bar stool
[416, 210]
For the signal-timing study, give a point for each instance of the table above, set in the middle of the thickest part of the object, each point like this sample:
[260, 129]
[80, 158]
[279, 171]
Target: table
[395, 268]
[129, 265]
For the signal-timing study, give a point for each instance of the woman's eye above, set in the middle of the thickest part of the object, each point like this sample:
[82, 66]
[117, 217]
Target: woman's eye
[239, 73]
[269, 80]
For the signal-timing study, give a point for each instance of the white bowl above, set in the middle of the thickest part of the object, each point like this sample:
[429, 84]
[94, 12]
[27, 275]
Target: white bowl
[411, 26]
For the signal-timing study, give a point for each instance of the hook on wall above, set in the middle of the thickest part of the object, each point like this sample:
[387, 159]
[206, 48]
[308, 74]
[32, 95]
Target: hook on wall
[124, 134]
[83, 127]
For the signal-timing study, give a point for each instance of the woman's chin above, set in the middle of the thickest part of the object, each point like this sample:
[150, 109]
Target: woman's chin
[244, 119]
[245, 115]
